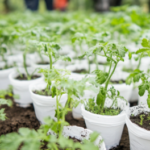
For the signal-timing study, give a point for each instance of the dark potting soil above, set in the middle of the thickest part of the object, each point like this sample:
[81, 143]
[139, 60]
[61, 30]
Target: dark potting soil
[18, 117]
[43, 92]
[135, 103]
[42, 63]
[24, 77]
[82, 71]
[117, 82]
[145, 123]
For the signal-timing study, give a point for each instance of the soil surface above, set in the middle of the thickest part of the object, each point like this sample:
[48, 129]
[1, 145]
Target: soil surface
[145, 124]
[24, 77]
[42, 63]
[43, 92]
[117, 82]
[25, 117]
[83, 71]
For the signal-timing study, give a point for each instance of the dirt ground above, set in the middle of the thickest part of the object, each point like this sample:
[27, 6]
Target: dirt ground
[18, 117]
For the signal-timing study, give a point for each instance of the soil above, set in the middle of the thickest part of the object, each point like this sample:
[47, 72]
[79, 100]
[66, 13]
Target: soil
[137, 120]
[43, 92]
[24, 77]
[25, 117]
[83, 71]
[117, 82]
[43, 63]
[18, 117]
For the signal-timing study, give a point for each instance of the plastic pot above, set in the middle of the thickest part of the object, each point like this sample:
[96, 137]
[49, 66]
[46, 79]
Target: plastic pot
[125, 90]
[110, 127]
[4, 81]
[81, 134]
[21, 88]
[76, 112]
[44, 105]
[139, 137]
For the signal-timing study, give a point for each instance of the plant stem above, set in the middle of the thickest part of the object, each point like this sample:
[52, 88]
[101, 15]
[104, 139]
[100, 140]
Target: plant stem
[108, 79]
[139, 63]
[57, 104]
[89, 68]
[25, 66]
[51, 62]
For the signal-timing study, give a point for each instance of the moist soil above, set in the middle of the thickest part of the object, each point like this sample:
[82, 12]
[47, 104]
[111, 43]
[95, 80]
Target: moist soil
[24, 77]
[43, 92]
[117, 82]
[18, 117]
[137, 120]
[42, 63]
[83, 71]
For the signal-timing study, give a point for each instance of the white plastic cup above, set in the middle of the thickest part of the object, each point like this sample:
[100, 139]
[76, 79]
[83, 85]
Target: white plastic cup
[81, 134]
[44, 105]
[21, 88]
[110, 127]
[139, 137]
[4, 81]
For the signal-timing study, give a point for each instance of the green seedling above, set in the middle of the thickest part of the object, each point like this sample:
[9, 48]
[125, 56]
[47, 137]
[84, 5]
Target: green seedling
[138, 75]
[142, 119]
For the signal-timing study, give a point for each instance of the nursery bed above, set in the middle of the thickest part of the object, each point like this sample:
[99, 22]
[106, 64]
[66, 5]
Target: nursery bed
[25, 117]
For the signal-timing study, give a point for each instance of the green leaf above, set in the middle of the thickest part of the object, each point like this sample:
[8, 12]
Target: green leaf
[100, 100]
[145, 43]
[142, 50]
[93, 136]
[142, 89]
[148, 101]
[130, 55]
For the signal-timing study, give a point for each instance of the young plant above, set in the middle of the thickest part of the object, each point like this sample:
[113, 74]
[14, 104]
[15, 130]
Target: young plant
[138, 75]
[50, 50]
[4, 101]
[114, 53]
[142, 119]
[3, 51]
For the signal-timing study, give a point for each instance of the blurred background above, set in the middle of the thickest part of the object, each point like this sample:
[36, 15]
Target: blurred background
[7, 6]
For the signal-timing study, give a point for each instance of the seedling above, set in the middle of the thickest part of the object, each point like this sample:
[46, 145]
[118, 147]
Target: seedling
[138, 75]
[142, 119]
[4, 101]
[114, 53]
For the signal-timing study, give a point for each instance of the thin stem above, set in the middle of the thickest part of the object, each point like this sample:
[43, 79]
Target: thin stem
[51, 62]
[57, 104]
[25, 66]
[139, 63]
[89, 67]
[108, 80]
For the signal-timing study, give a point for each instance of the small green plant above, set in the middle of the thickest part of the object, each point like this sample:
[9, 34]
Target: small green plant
[114, 53]
[142, 119]
[3, 51]
[51, 50]
[4, 101]
[138, 75]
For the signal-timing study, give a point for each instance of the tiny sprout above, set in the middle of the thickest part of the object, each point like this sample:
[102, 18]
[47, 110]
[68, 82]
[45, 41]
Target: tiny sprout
[142, 119]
